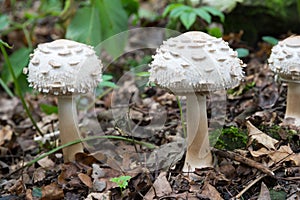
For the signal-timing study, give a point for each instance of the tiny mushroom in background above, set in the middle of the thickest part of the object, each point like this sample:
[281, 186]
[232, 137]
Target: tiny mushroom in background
[285, 61]
[192, 65]
[65, 68]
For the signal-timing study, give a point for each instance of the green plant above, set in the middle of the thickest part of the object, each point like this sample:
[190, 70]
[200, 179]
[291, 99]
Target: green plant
[188, 15]
[121, 181]
[229, 138]
[17, 85]
[97, 20]
[271, 40]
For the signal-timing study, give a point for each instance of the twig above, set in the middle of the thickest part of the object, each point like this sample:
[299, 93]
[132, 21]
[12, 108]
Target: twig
[250, 185]
[244, 160]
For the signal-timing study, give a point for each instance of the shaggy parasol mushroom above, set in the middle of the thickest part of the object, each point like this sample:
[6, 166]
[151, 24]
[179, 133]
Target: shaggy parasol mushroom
[284, 60]
[193, 64]
[65, 68]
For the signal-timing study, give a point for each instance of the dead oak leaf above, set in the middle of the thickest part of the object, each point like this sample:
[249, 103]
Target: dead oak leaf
[260, 137]
[5, 134]
[211, 192]
[52, 191]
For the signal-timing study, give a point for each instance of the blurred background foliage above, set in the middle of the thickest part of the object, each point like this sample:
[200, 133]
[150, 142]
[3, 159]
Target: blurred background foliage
[24, 24]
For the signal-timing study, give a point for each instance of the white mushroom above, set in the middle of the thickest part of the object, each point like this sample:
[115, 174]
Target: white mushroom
[284, 60]
[202, 64]
[58, 68]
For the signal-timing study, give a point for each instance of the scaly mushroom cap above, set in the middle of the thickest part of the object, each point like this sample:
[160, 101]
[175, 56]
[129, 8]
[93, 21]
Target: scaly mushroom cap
[195, 62]
[64, 67]
[284, 59]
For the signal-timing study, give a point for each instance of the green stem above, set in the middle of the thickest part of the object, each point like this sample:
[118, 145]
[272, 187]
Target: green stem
[7, 90]
[18, 88]
[146, 144]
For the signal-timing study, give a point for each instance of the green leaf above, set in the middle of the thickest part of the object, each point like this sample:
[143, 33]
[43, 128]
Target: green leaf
[242, 52]
[170, 7]
[4, 22]
[214, 12]
[106, 77]
[215, 31]
[19, 59]
[203, 14]
[176, 12]
[7, 90]
[53, 7]
[271, 40]
[48, 109]
[107, 84]
[114, 20]
[188, 19]
[130, 6]
[85, 27]
[121, 181]
[143, 74]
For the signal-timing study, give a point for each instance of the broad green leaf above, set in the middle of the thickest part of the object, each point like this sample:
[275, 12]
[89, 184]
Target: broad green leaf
[53, 7]
[242, 52]
[4, 22]
[49, 109]
[176, 12]
[271, 40]
[85, 27]
[107, 84]
[114, 20]
[188, 19]
[170, 7]
[214, 12]
[19, 59]
[130, 6]
[203, 14]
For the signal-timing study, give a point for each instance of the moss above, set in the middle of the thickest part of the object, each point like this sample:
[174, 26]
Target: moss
[230, 138]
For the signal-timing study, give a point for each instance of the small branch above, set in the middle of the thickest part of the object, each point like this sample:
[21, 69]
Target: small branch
[244, 160]
[239, 195]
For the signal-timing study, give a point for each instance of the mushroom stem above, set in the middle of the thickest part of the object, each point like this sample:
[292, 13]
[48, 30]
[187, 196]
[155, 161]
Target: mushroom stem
[198, 149]
[292, 106]
[68, 126]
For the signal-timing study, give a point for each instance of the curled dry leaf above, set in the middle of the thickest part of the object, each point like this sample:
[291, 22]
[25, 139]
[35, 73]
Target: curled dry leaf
[260, 137]
[85, 179]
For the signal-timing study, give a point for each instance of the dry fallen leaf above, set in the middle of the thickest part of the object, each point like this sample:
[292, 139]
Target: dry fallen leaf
[85, 179]
[210, 192]
[161, 186]
[264, 192]
[46, 162]
[52, 191]
[280, 154]
[260, 137]
[5, 134]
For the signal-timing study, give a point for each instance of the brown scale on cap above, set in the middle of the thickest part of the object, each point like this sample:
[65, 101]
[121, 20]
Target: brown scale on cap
[73, 64]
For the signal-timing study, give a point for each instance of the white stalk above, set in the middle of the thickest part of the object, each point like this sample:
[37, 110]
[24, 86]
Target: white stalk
[198, 149]
[68, 126]
[293, 101]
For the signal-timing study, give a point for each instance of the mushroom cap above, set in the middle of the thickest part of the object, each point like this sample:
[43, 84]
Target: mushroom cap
[64, 67]
[284, 59]
[195, 62]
